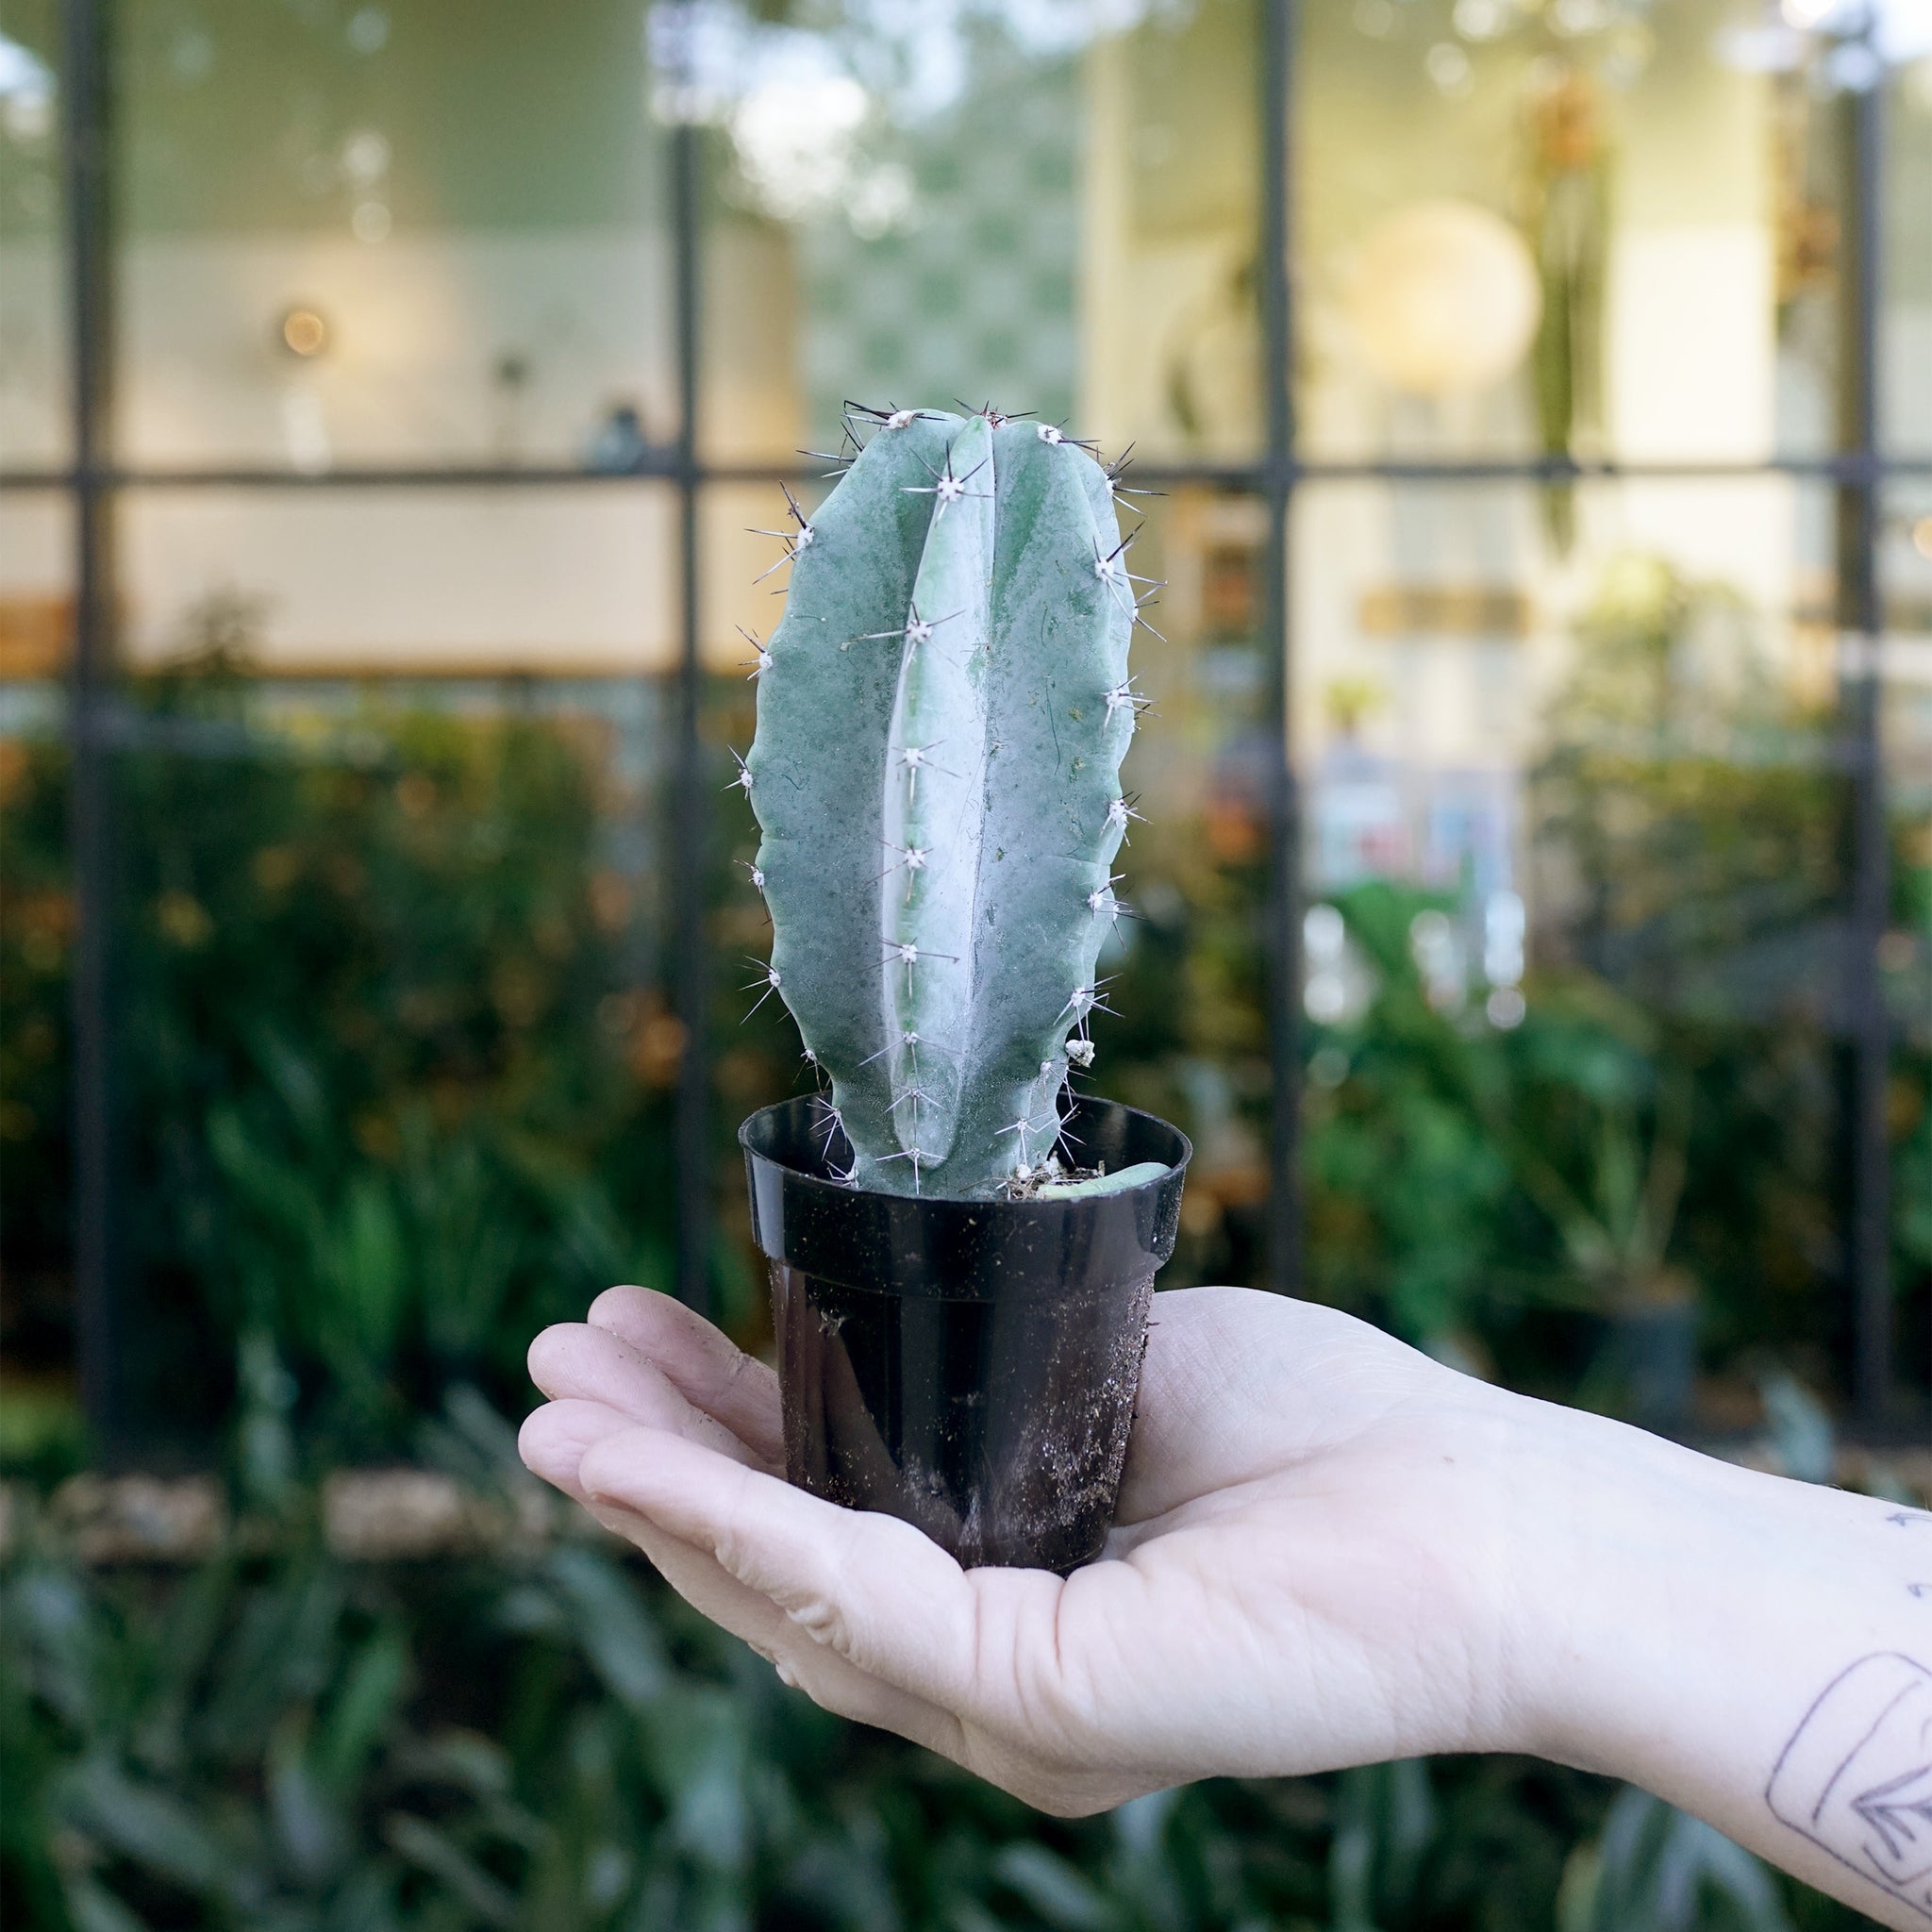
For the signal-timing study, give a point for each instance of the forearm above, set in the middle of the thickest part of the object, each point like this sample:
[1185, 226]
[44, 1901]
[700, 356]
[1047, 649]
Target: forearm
[1756, 1651]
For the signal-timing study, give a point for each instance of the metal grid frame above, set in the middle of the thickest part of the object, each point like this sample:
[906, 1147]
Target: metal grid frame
[1857, 471]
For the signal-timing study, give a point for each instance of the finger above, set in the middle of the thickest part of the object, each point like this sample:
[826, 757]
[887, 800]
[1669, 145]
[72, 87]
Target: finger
[869, 1587]
[978, 1659]
[710, 1369]
[874, 1621]
[831, 1681]
[828, 1678]
[555, 1439]
[573, 1361]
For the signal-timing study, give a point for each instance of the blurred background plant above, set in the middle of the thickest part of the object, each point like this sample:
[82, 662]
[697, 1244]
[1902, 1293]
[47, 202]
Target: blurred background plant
[401, 1098]
[538, 1737]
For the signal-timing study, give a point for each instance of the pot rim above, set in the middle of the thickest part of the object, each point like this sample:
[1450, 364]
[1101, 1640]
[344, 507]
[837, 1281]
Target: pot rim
[1050, 1208]
[975, 1249]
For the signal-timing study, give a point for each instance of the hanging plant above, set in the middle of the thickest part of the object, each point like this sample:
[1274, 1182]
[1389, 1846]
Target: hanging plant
[1567, 224]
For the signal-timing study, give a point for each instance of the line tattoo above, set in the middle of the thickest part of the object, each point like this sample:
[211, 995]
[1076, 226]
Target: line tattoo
[1856, 1777]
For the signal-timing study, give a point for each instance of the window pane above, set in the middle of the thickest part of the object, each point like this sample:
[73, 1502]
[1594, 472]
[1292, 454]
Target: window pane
[36, 583]
[754, 1048]
[1573, 854]
[33, 310]
[1603, 228]
[372, 234]
[1906, 401]
[1058, 218]
[562, 580]
[395, 1055]
[36, 936]
[1189, 1037]
[1905, 955]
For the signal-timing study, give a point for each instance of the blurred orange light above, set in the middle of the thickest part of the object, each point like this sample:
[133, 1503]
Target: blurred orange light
[304, 333]
[1922, 536]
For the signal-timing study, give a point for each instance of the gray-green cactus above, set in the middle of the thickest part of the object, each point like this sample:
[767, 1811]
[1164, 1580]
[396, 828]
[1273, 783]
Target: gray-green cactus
[941, 718]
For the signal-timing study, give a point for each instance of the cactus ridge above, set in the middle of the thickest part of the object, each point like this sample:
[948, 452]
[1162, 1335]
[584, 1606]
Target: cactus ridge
[942, 715]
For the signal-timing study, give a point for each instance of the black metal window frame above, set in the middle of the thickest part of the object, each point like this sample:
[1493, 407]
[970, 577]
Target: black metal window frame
[1857, 473]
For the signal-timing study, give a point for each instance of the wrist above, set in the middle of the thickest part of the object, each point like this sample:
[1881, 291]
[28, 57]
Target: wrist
[1654, 1590]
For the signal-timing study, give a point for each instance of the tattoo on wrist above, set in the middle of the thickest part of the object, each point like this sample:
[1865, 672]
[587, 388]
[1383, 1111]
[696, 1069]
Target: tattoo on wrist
[1856, 1776]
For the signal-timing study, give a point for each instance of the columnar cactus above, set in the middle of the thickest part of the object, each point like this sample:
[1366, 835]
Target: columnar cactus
[942, 716]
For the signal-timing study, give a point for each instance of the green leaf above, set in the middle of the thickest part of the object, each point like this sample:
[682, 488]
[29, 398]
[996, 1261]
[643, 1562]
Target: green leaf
[699, 1749]
[362, 1709]
[308, 1825]
[611, 1625]
[433, 1852]
[1059, 1891]
[95, 1909]
[146, 1824]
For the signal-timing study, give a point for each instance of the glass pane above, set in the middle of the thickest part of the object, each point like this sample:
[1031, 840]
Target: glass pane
[370, 234]
[1028, 208]
[36, 583]
[397, 1056]
[33, 310]
[1905, 955]
[1189, 1039]
[1187, 1036]
[1598, 228]
[36, 936]
[1576, 896]
[1905, 400]
[754, 1047]
[562, 580]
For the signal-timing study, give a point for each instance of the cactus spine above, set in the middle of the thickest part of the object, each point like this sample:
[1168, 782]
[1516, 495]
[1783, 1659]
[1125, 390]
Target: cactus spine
[941, 718]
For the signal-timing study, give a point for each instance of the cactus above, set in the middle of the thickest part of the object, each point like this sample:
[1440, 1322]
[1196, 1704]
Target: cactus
[942, 716]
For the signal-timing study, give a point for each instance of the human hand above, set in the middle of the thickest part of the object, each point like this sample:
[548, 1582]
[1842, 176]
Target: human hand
[1312, 1565]
[1330, 1551]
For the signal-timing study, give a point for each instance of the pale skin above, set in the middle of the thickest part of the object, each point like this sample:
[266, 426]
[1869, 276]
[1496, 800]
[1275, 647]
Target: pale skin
[1331, 1551]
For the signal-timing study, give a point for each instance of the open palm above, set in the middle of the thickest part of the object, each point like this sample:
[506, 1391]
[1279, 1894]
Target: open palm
[1309, 1568]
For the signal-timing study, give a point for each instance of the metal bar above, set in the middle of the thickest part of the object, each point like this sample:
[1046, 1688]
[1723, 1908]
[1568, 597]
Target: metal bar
[1861, 617]
[689, 807]
[663, 464]
[86, 154]
[1282, 910]
[654, 466]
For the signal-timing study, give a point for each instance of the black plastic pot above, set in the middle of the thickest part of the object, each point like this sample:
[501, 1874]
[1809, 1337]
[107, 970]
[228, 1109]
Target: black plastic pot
[968, 1365]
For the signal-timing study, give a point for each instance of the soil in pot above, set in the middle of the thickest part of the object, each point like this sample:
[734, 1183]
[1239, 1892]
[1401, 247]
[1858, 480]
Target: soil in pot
[970, 1366]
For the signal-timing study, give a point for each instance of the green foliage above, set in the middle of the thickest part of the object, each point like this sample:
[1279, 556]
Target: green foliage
[36, 1148]
[941, 719]
[1501, 1190]
[1689, 820]
[1655, 1869]
[1691, 827]
[1407, 1093]
[383, 998]
[548, 1739]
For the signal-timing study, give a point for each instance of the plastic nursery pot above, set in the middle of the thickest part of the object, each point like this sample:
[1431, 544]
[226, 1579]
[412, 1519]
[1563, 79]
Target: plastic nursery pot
[968, 1365]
